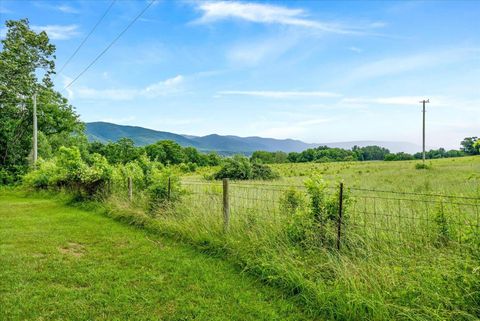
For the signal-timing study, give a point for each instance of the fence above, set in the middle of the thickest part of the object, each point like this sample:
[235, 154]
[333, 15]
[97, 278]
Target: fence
[361, 215]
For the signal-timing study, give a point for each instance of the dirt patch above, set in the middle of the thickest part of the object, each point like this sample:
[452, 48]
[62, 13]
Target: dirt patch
[73, 249]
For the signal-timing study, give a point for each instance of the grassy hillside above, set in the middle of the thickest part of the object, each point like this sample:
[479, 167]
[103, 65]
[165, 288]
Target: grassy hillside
[59, 263]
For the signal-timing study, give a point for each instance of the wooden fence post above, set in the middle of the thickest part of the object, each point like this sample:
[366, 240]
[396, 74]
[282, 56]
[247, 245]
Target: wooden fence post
[226, 206]
[169, 188]
[340, 212]
[130, 189]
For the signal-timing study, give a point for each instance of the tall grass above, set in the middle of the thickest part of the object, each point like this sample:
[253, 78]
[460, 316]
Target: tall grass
[400, 259]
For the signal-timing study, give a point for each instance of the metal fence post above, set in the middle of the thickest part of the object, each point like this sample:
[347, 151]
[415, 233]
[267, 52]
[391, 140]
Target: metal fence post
[340, 212]
[226, 206]
[130, 189]
[169, 188]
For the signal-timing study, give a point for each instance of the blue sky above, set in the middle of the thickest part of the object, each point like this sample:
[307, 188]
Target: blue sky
[317, 71]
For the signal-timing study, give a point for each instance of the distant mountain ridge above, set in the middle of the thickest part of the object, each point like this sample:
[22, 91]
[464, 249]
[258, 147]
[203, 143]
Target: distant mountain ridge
[108, 132]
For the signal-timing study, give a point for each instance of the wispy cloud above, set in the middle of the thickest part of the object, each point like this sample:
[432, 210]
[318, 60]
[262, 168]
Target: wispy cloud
[67, 9]
[415, 62]
[288, 129]
[5, 10]
[399, 100]
[158, 89]
[355, 49]
[58, 32]
[269, 14]
[280, 94]
[435, 101]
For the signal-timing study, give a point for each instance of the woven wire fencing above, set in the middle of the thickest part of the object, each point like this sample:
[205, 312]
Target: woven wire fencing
[374, 216]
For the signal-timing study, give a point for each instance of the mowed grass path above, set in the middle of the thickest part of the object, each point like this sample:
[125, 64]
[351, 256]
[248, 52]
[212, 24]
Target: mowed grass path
[62, 263]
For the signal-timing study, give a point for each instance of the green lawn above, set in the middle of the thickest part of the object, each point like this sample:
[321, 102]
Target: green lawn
[61, 263]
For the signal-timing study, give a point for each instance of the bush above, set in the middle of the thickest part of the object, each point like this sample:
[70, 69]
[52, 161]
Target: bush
[291, 201]
[316, 225]
[264, 172]
[240, 168]
[161, 195]
[423, 166]
[68, 170]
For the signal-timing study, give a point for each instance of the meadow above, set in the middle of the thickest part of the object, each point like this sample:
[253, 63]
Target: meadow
[410, 238]
[410, 244]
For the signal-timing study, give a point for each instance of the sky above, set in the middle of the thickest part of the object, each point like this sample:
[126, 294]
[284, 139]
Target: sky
[318, 71]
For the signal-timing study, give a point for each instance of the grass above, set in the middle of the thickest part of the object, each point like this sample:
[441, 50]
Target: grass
[62, 263]
[414, 260]
[378, 275]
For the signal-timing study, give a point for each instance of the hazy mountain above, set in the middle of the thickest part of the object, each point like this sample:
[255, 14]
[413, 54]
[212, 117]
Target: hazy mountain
[106, 132]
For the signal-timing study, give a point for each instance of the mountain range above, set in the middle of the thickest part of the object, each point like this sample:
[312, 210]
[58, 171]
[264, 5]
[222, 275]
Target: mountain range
[108, 132]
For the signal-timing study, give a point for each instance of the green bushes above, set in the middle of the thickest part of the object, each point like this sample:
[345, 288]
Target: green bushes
[68, 170]
[165, 191]
[240, 168]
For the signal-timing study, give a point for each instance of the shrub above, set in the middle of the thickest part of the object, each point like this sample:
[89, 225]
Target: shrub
[291, 201]
[423, 166]
[161, 195]
[68, 170]
[263, 172]
[240, 168]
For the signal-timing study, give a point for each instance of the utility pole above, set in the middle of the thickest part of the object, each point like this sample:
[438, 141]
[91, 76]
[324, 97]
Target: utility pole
[423, 145]
[35, 146]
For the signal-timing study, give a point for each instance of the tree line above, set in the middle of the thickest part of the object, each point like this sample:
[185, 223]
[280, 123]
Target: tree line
[322, 154]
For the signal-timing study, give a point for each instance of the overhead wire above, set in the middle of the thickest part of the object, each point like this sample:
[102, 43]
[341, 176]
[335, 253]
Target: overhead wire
[86, 38]
[111, 44]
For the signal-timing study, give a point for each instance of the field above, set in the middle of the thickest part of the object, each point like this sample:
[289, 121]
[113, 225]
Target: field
[62, 263]
[410, 238]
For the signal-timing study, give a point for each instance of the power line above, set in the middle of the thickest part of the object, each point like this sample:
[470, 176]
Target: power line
[86, 38]
[111, 44]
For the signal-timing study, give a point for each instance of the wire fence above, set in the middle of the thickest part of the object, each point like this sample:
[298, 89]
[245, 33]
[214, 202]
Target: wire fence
[386, 217]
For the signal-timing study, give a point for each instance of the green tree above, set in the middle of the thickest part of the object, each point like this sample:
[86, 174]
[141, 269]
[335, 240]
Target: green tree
[24, 55]
[470, 145]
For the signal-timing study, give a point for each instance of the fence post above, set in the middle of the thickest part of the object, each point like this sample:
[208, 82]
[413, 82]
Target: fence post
[226, 206]
[169, 188]
[340, 212]
[130, 189]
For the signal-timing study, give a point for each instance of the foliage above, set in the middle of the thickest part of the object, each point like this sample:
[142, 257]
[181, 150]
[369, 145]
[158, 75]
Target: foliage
[398, 157]
[471, 145]
[69, 170]
[292, 201]
[23, 54]
[240, 168]
[369, 153]
[165, 191]
[269, 157]
[423, 166]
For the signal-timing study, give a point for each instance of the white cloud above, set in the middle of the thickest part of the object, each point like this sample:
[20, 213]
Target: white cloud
[67, 9]
[158, 89]
[355, 49]
[254, 52]
[5, 10]
[58, 32]
[288, 129]
[399, 100]
[280, 94]
[267, 14]
[415, 62]
[435, 101]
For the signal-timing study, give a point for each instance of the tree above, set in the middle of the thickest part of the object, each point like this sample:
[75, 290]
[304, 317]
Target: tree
[122, 151]
[25, 53]
[470, 145]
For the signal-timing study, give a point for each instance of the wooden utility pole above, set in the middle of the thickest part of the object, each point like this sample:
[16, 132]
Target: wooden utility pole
[35, 138]
[423, 144]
